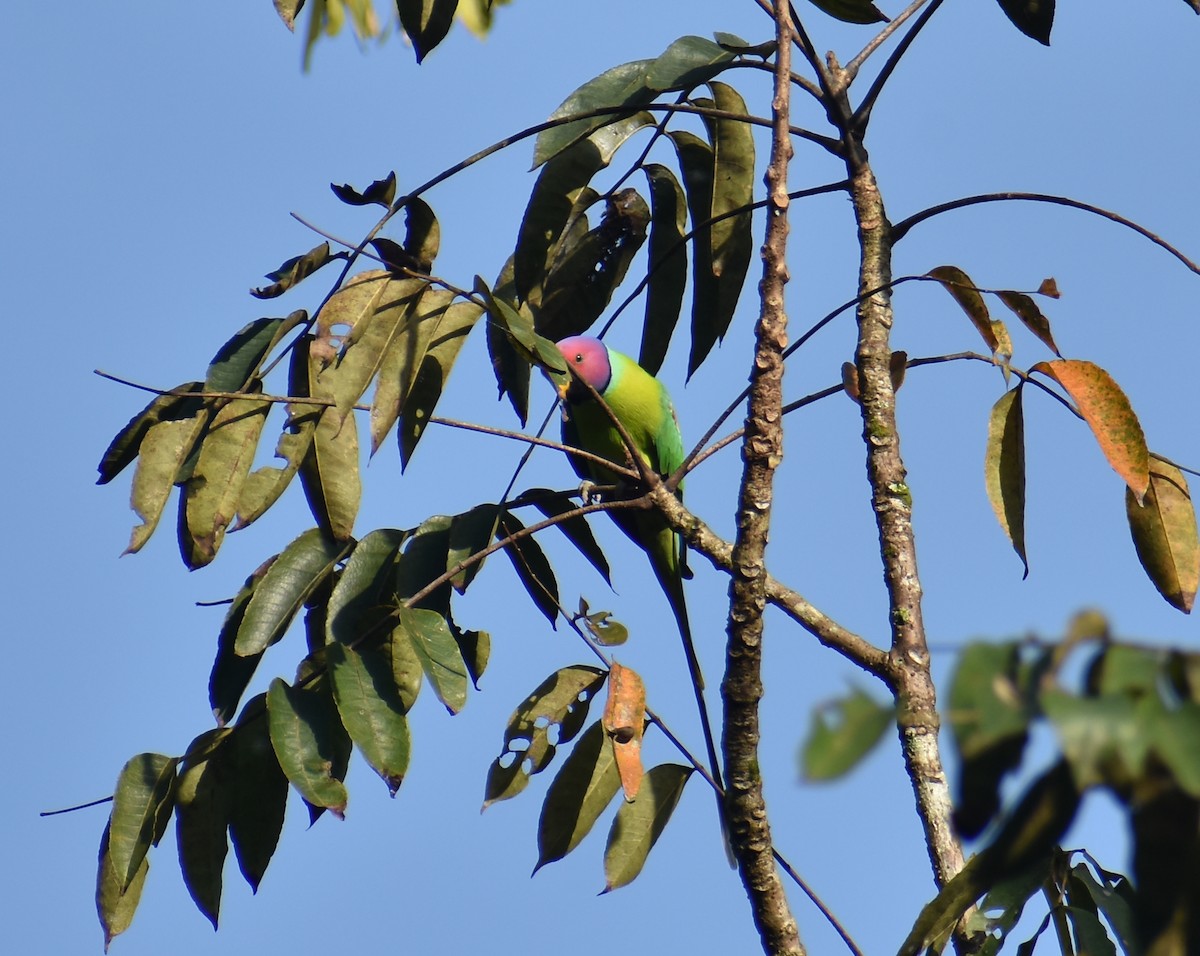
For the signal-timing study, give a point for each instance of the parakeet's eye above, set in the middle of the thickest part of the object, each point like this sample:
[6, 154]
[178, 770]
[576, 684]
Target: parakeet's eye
[578, 358]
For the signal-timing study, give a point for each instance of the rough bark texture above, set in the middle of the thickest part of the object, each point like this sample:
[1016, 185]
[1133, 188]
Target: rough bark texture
[762, 449]
[892, 502]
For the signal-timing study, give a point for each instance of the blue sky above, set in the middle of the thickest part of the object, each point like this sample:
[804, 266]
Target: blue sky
[152, 159]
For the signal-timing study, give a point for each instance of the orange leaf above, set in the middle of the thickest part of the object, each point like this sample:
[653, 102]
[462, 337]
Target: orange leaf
[1049, 288]
[1110, 416]
[1164, 533]
[624, 720]
[969, 298]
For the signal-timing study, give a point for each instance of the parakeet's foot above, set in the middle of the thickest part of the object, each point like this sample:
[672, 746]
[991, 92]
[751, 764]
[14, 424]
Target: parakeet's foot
[587, 491]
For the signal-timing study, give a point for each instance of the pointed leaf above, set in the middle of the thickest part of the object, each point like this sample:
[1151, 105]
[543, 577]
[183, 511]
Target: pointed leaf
[402, 359]
[231, 673]
[293, 576]
[560, 701]
[201, 818]
[851, 11]
[1004, 468]
[1164, 533]
[686, 63]
[1034, 18]
[439, 655]
[259, 797]
[1110, 902]
[510, 368]
[238, 361]
[638, 825]
[696, 164]
[1110, 416]
[667, 269]
[330, 476]
[624, 720]
[426, 22]
[583, 787]
[363, 603]
[835, 746]
[312, 745]
[123, 449]
[529, 561]
[288, 10]
[577, 530]
[970, 300]
[470, 533]
[371, 707]
[142, 804]
[423, 237]
[381, 192]
[1028, 312]
[530, 346]
[116, 898]
[424, 560]
[295, 270]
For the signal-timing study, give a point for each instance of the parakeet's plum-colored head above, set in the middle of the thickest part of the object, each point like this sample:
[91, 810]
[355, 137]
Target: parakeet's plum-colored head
[588, 358]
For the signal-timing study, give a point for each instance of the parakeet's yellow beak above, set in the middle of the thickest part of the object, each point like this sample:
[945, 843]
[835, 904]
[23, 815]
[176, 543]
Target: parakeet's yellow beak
[563, 389]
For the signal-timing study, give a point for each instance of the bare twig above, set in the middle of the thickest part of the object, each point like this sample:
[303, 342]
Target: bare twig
[862, 114]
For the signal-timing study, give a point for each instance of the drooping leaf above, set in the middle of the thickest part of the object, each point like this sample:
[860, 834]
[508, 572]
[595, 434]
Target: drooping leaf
[163, 453]
[288, 10]
[1004, 468]
[1090, 935]
[1112, 903]
[211, 494]
[729, 236]
[1109, 415]
[203, 801]
[263, 486]
[696, 164]
[402, 359]
[238, 361]
[312, 745]
[560, 701]
[518, 327]
[371, 707]
[686, 63]
[851, 11]
[583, 787]
[470, 533]
[1034, 18]
[290, 579]
[1099, 736]
[1165, 536]
[231, 673]
[667, 268]
[423, 235]
[364, 600]
[439, 654]
[142, 804]
[577, 530]
[582, 281]
[834, 747]
[964, 291]
[259, 798]
[381, 192]
[624, 721]
[430, 371]
[1006, 901]
[638, 825]
[116, 899]
[510, 367]
[426, 22]
[1028, 312]
[123, 449]
[424, 560]
[330, 475]
[295, 270]
[529, 561]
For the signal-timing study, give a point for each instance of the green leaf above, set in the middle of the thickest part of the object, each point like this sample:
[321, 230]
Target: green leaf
[424, 560]
[295, 270]
[561, 701]
[238, 361]
[381, 192]
[290, 579]
[529, 561]
[1175, 736]
[667, 269]
[432, 370]
[1165, 536]
[212, 493]
[834, 747]
[639, 824]
[686, 63]
[203, 802]
[1007, 901]
[372, 707]
[1109, 415]
[123, 449]
[1100, 737]
[423, 236]
[116, 898]
[1109, 901]
[439, 654]
[312, 745]
[1028, 312]
[851, 11]
[470, 533]
[1034, 18]
[263, 487]
[426, 22]
[583, 787]
[231, 673]
[402, 360]
[1004, 468]
[577, 530]
[259, 797]
[364, 600]
[696, 164]
[142, 804]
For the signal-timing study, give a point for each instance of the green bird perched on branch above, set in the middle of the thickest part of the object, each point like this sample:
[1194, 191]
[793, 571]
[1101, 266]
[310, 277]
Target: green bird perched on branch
[641, 404]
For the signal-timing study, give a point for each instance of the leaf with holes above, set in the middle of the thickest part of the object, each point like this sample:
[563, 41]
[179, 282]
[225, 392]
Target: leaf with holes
[667, 265]
[1109, 415]
[529, 561]
[624, 721]
[964, 291]
[581, 790]
[1004, 468]
[260, 787]
[1164, 534]
[843, 732]
[312, 745]
[560, 702]
[638, 825]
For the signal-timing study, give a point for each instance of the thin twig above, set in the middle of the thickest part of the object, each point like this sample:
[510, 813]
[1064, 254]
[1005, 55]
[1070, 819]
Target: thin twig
[862, 114]
[851, 69]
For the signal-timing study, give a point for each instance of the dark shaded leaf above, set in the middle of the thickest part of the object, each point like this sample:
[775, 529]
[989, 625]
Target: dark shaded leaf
[423, 561]
[529, 561]
[851, 11]
[582, 788]
[312, 745]
[439, 654]
[1165, 535]
[426, 22]
[295, 270]
[203, 800]
[381, 192]
[1034, 18]
[231, 672]
[423, 237]
[124, 448]
[560, 701]
[259, 799]
[638, 825]
[1112, 903]
[371, 707]
[470, 533]
[696, 164]
[363, 603]
[476, 649]
[577, 529]
[667, 267]
[835, 747]
[686, 63]
[1004, 468]
[238, 361]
